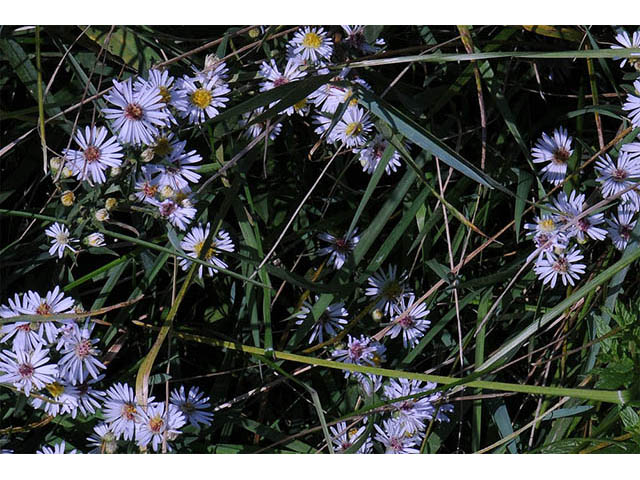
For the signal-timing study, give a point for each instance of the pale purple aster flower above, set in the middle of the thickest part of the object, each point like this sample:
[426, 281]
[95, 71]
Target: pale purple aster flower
[618, 176]
[154, 423]
[395, 439]
[339, 247]
[60, 239]
[547, 243]
[360, 351]
[193, 404]
[146, 186]
[273, 78]
[89, 398]
[344, 438]
[388, 287]
[138, 114]
[58, 449]
[311, 43]
[355, 38]
[64, 399]
[193, 242]
[330, 321]
[625, 42]
[27, 370]
[178, 169]
[54, 302]
[372, 152]
[324, 123]
[632, 105]
[556, 150]
[121, 410]
[104, 440]
[569, 208]
[96, 154]
[79, 355]
[26, 335]
[412, 325]
[175, 213]
[564, 265]
[620, 227]
[166, 85]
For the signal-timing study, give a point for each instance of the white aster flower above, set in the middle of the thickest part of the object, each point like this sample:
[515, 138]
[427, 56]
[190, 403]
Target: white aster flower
[166, 86]
[54, 302]
[205, 97]
[89, 398]
[121, 410]
[556, 150]
[64, 399]
[360, 351]
[311, 44]
[412, 325]
[371, 154]
[632, 105]
[194, 241]
[620, 227]
[353, 127]
[175, 213]
[146, 187]
[138, 114]
[26, 335]
[355, 38]
[255, 129]
[389, 287]
[193, 404]
[96, 154]
[58, 449]
[61, 239]
[394, 438]
[324, 123]
[343, 438]
[625, 42]
[569, 208]
[178, 169]
[329, 321]
[95, 239]
[154, 423]
[618, 176]
[273, 77]
[339, 247]
[27, 370]
[564, 264]
[79, 355]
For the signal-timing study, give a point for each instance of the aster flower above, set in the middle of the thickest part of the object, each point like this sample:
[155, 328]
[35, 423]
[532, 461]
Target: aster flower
[27, 370]
[413, 413]
[570, 208]
[632, 105]
[164, 144]
[26, 335]
[57, 449]
[60, 239]
[564, 265]
[138, 114]
[618, 176]
[394, 438]
[389, 287]
[273, 77]
[353, 127]
[166, 86]
[371, 154]
[369, 383]
[360, 351]
[64, 399]
[412, 325]
[154, 423]
[194, 241]
[355, 38]
[543, 223]
[625, 42]
[324, 123]
[556, 150]
[96, 154]
[178, 170]
[175, 213]
[335, 95]
[121, 410]
[343, 438]
[254, 130]
[311, 44]
[53, 303]
[620, 227]
[339, 247]
[330, 321]
[548, 242]
[193, 404]
[104, 440]
[205, 97]
[79, 355]
[146, 187]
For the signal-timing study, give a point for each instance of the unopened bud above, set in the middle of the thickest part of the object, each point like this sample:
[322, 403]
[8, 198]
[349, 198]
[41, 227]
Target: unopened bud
[110, 203]
[167, 192]
[102, 215]
[68, 198]
[377, 315]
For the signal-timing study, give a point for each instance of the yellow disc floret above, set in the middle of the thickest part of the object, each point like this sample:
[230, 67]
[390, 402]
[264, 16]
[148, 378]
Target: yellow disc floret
[201, 98]
[312, 40]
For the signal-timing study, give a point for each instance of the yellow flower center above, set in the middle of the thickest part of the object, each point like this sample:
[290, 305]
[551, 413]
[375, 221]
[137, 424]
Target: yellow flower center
[155, 424]
[300, 105]
[55, 389]
[312, 40]
[547, 225]
[165, 94]
[353, 129]
[201, 98]
[43, 309]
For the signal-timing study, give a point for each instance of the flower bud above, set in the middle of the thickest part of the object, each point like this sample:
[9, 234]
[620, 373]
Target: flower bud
[377, 314]
[102, 215]
[66, 172]
[115, 171]
[68, 198]
[147, 155]
[110, 203]
[55, 163]
[167, 192]
[94, 240]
